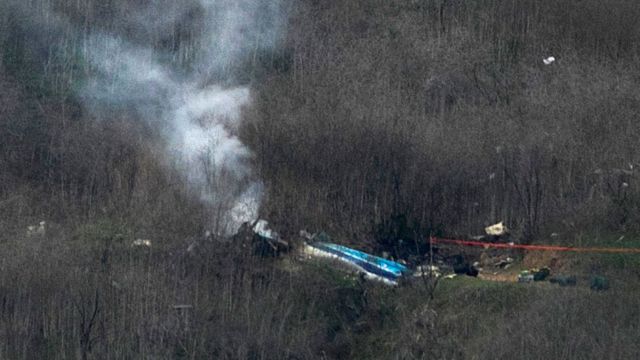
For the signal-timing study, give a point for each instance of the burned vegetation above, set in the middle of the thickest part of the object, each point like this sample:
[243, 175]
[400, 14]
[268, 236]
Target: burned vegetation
[319, 179]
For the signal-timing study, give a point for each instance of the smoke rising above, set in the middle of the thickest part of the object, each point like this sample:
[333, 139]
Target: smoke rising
[190, 92]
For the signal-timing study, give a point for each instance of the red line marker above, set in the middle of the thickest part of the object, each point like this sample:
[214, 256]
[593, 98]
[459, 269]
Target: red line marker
[485, 245]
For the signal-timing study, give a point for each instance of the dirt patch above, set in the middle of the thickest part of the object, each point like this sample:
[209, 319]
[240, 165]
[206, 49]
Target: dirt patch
[557, 262]
[502, 276]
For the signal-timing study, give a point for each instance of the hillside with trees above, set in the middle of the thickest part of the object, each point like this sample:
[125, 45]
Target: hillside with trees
[378, 122]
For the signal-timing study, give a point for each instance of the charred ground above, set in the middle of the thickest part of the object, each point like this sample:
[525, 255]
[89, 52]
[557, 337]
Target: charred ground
[378, 122]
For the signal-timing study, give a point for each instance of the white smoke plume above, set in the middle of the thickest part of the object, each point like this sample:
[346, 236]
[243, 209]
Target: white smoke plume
[192, 94]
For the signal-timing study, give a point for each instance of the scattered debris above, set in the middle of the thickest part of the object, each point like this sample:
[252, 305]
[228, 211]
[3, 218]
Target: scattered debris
[141, 242]
[599, 283]
[192, 247]
[261, 228]
[504, 263]
[37, 230]
[266, 241]
[427, 270]
[541, 274]
[563, 280]
[525, 277]
[530, 275]
[498, 229]
[549, 60]
[464, 268]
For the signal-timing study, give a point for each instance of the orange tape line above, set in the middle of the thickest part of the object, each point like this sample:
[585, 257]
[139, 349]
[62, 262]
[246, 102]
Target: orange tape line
[435, 240]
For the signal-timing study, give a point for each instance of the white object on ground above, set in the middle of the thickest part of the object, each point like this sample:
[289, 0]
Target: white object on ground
[262, 228]
[548, 60]
[37, 230]
[496, 229]
[141, 242]
[427, 270]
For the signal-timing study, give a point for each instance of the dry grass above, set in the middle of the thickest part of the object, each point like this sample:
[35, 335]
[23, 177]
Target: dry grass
[379, 122]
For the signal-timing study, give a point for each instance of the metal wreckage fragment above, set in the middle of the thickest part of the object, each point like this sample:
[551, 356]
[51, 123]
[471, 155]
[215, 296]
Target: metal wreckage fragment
[268, 242]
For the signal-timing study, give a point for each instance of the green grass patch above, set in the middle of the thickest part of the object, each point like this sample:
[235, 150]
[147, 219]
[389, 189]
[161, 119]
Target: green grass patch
[608, 261]
[490, 296]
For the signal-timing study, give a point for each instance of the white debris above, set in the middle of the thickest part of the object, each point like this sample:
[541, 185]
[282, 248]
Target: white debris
[141, 242]
[504, 263]
[305, 235]
[548, 60]
[525, 278]
[498, 229]
[427, 270]
[37, 230]
[262, 229]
